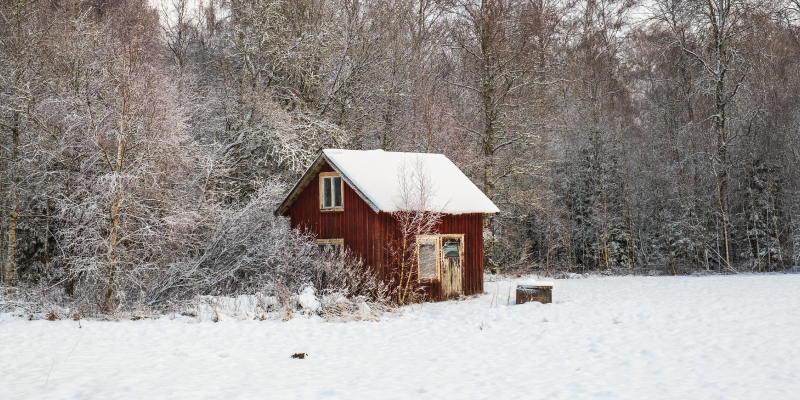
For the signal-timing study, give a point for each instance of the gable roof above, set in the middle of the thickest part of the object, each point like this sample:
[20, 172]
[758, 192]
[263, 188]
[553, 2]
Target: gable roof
[374, 175]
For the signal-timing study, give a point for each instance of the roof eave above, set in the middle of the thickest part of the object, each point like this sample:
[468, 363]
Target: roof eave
[309, 175]
[352, 185]
[301, 184]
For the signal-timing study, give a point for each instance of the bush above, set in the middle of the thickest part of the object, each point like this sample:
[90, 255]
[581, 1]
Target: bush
[251, 253]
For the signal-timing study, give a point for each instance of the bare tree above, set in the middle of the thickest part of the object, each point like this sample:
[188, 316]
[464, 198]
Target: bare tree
[494, 49]
[135, 160]
[417, 215]
[23, 37]
[718, 26]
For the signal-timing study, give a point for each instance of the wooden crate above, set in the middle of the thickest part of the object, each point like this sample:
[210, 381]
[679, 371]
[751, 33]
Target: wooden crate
[540, 293]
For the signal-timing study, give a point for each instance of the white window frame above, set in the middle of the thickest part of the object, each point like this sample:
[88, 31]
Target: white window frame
[332, 242]
[460, 237]
[427, 240]
[322, 177]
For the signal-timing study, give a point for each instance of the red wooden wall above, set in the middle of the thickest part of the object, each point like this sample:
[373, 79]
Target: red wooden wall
[366, 232]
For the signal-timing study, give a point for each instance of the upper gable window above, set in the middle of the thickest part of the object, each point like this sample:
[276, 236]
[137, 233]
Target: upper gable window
[330, 191]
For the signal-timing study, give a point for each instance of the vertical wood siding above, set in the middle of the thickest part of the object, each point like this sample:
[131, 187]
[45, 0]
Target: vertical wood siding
[365, 233]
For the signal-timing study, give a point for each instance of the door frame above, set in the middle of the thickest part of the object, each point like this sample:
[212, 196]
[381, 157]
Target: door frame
[442, 238]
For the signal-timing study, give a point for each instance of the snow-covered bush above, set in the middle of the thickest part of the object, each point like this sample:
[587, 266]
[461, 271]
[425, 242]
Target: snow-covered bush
[251, 253]
[349, 290]
[308, 301]
[254, 252]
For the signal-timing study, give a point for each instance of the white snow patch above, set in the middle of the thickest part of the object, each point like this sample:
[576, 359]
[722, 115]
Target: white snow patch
[220, 308]
[532, 282]
[308, 301]
[714, 337]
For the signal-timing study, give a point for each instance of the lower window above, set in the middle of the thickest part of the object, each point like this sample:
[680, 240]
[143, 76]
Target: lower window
[427, 250]
[332, 246]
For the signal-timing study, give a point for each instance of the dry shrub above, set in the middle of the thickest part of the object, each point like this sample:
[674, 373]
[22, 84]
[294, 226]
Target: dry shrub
[349, 290]
[337, 308]
[37, 300]
[52, 316]
[347, 275]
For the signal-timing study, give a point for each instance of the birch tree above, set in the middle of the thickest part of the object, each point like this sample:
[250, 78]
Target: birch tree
[23, 34]
[719, 28]
[122, 204]
[417, 216]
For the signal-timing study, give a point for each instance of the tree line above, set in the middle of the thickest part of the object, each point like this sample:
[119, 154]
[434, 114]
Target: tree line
[623, 136]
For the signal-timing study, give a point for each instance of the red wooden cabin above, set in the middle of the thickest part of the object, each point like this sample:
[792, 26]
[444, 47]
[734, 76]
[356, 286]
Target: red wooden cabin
[346, 199]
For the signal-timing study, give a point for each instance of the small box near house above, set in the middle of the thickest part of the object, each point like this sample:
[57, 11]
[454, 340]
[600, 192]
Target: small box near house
[541, 291]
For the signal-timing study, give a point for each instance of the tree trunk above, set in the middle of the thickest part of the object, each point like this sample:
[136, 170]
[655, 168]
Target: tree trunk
[568, 237]
[12, 241]
[721, 205]
[112, 256]
[2, 235]
[113, 232]
[47, 236]
[549, 240]
[718, 15]
[777, 233]
[12, 219]
[490, 138]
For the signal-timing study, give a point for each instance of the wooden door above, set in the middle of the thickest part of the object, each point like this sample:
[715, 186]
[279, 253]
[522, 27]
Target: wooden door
[452, 256]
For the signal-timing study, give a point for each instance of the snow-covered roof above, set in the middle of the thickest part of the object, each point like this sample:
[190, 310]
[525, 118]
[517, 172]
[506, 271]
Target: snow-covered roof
[535, 283]
[376, 174]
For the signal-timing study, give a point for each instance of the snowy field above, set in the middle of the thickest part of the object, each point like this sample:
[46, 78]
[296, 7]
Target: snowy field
[716, 337]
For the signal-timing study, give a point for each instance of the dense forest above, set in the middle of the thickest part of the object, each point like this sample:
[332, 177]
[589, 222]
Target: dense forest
[644, 137]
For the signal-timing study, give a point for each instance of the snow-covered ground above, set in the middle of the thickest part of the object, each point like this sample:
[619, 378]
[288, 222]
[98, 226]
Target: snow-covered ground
[715, 337]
